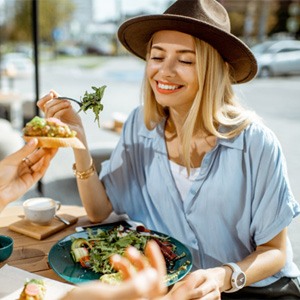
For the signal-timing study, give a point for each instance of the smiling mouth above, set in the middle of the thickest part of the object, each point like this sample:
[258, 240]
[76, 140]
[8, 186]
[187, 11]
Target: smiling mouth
[167, 88]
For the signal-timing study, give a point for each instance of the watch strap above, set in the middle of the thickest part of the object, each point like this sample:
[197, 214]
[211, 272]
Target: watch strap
[238, 278]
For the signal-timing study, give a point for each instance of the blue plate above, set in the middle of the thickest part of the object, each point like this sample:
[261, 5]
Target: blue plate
[62, 263]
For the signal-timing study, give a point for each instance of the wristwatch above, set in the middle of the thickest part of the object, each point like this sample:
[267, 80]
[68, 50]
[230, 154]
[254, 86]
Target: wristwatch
[238, 278]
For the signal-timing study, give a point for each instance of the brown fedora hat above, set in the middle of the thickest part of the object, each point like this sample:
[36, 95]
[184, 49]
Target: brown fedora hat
[204, 19]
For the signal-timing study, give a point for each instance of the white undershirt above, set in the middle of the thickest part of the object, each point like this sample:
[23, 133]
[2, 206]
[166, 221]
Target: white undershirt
[182, 181]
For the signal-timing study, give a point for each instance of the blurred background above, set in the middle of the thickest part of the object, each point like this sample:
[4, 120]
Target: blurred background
[38, 33]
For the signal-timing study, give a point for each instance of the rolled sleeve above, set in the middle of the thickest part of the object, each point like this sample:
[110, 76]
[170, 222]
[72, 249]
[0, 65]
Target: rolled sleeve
[273, 204]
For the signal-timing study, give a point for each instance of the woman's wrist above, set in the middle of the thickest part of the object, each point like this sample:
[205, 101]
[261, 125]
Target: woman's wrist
[87, 173]
[223, 276]
[80, 134]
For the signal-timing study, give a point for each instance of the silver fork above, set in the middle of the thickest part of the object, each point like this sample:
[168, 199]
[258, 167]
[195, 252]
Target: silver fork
[71, 99]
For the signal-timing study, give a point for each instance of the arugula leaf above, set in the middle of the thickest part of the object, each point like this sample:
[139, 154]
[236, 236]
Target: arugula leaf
[93, 101]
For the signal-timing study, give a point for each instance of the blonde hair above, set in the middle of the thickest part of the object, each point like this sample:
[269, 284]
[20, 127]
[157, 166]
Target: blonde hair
[214, 106]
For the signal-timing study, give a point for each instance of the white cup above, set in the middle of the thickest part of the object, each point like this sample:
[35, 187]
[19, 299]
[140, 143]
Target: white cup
[40, 210]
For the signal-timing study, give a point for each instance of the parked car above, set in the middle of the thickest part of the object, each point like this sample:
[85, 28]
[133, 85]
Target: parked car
[16, 65]
[277, 58]
[73, 51]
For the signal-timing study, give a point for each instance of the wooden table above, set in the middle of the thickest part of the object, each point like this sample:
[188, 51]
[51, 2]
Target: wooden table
[31, 254]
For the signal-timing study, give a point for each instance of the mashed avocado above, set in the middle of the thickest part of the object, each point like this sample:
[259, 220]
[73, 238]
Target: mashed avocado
[51, 127]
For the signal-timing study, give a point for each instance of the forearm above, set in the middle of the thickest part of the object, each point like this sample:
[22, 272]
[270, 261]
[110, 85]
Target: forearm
[91, 189]
[265, 261]
[259, 265]
[94, 198]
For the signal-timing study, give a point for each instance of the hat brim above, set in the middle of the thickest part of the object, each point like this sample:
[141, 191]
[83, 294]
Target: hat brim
[135, 34]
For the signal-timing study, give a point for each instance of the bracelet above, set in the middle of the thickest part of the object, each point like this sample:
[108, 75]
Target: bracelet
[84, 174]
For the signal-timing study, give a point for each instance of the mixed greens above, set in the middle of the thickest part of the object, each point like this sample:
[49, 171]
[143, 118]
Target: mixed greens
[95, 251]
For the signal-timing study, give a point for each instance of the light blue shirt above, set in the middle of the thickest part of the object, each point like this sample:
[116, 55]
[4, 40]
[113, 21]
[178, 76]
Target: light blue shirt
[240, 199]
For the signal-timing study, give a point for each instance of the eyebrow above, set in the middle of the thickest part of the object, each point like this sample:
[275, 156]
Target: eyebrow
[179, 51]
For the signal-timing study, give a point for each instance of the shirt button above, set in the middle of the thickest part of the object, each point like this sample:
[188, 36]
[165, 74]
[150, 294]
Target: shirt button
[193, 192]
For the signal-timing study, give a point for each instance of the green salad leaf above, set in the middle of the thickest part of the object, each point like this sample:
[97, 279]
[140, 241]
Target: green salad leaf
[93, 101]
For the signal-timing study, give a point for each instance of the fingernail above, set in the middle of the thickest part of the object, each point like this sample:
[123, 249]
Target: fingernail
[116, 258]
[132, 251]
[32, 142]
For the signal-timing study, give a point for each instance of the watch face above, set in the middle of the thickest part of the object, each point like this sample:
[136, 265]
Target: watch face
[240, 280]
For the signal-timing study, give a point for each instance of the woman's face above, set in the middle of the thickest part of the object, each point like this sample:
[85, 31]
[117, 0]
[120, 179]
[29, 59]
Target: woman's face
[171, 69]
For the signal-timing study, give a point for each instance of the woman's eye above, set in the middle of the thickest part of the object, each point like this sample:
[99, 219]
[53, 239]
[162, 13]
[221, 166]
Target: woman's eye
[186, 62]
[156, 58]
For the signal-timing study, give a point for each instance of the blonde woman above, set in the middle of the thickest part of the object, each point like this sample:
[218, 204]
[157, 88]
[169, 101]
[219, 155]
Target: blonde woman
[193, 163]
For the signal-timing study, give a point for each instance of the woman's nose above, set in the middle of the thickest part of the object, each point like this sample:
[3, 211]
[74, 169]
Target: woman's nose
[168, 68]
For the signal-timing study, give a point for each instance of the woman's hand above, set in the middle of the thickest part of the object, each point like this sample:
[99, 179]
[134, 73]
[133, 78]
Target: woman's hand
[145, 280]
[21, 170]
[62, 110]
[201, 284]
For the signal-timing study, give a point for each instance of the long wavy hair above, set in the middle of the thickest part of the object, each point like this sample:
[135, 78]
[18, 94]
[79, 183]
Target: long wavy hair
[215, 110]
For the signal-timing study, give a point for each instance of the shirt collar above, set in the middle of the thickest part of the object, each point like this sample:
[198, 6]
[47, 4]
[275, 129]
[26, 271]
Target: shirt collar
[235, 143]
[151, 134]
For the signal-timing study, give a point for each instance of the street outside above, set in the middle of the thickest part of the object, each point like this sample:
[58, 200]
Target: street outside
[276, 100]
